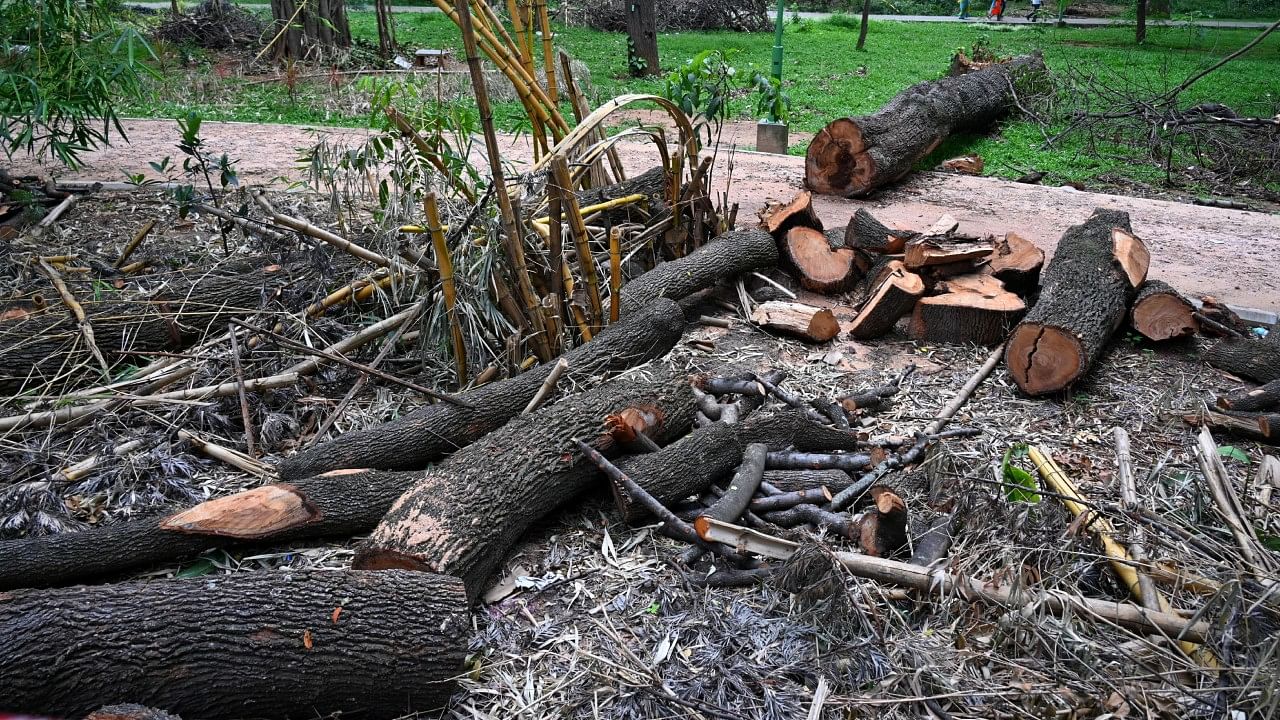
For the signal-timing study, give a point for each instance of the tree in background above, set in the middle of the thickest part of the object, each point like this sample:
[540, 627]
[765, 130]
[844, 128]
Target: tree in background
[63, 64]
[642, 38]
[1142, 21]
[386, 28]
[862, 30]
[306, 29]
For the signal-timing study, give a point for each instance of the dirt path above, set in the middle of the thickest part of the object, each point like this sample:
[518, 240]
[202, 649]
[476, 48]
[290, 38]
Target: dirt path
[1230, 254]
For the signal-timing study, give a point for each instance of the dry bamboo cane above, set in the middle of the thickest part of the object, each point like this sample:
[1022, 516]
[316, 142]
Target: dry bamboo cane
[517, 24]
[485, 21]
[77, 313]
[548, 52]
[615, 273]
[133, 243]
[1121, 562]
[514, 243]
[581, 240]
[555, 242]
[578, 104]
[431, 154]
[445, 264]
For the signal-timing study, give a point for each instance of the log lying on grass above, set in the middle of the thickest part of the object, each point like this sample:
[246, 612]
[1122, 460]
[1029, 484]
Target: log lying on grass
[35, 346]
[412, 441]
[729, 255]
[1087, 287]
[280, 644]
[894, 297]
[853, 156]
[1161, 313]
[463, 515]
[688, 467]
[1256, 360]
[820, 267]
[811, 323]
[1252, 400]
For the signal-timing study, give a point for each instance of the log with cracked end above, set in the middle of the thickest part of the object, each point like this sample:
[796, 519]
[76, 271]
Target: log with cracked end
[1161, 313]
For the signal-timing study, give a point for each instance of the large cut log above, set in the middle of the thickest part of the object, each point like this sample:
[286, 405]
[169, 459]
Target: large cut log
[1259, 398]
[891, 299]
[688, 467]
[868, 234]
[853, 156]
[1161, 313]
[653, 184]
[1256, 360]
[1087, 287]
[812, 323]
[777, 220]
[729, 255]
[281, 644]
[820, 267]
[341, 503]
[129, 711]
[973, 309]
[462, 516]
[426, 434]
[1016, 262]
[35, 346]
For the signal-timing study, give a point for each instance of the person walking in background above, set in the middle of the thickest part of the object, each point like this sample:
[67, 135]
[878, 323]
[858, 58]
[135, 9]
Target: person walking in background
[964, 10]
[1036, 6]
[997, 10]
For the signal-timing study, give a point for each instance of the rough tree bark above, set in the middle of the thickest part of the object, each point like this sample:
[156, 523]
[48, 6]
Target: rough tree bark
[1084, 298]
[689, 466]
[894, 297]
[1161, 313]
[862, 28]
[308, 29]
[464, 514]
[430, 432]
[853, 156]
[1265, 397]
[642, 38]
[729, 255]
[276, 644]
[386, 28]
[1256, 360]
[821, 267]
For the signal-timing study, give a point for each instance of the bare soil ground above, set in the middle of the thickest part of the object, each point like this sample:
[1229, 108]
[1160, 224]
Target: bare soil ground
[1225, 253]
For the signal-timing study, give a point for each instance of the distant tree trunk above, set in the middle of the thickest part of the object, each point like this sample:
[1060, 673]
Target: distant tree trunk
[1142, 21]
[386, 29]
[320, 26]
[642, 29]
[862, 32]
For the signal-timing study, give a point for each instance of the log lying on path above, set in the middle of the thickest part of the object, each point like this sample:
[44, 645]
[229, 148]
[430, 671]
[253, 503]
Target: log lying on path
[688, 467]
[412, 441]
[280, 644]
[1162, 313]
[853, 156]
[1265, 397]
[1085, 296]
[462, 516]
[820, 267]
[35, 346]
[811, 323]
[1256, 360]
[341, 503]
[894, 297]
[729, 255]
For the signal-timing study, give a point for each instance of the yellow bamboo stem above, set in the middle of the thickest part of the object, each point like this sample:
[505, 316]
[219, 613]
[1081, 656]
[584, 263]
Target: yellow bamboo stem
[548, 52]
[590, 210]
[583, 326]
[1121, 563]
[581, 240]
[134, 242]
[615, 273]
[517, 24]
[444, 262]
[430, 152]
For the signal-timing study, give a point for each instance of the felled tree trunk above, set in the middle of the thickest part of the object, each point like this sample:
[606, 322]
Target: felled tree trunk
[795, 480]
[279, 644]
[853, 156]
[35, 346]
[821, 267]
[1016, 262]
[651, 183]
[1085, 295]
[866, 233]
[1259, 398]
[1161, 313]
[1257, 360]
[463, 515]
[337, 504]
[809, 322]
[412, 441]
[688, 467]
[729, 255]
[973, 309]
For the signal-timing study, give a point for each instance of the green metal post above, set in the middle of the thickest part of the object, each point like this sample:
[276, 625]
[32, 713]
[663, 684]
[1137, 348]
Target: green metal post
[777, 42]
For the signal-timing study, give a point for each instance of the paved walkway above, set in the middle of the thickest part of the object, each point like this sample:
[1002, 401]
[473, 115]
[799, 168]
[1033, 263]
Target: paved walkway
[1008, 20]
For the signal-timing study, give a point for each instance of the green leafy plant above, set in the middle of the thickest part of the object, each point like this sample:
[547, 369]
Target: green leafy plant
[1233, 452]
[771, 100]
[635, 64]
[1020, 485]
[703, 85]
[64, 64]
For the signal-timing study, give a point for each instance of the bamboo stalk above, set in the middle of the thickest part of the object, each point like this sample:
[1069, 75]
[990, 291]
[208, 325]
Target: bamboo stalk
[514, 243]
[517, 24]
[245, 416]
[77, 313]
[230, 456]
[584, 326]
[548, 52]
[586, 129]
[133, 243]
[1121, 562]
[578, 104]
[548, 386]
[445, 264]
[615, 273]
[948, 585]
[431, 153]
[555, 243]
[581, 240]
[319, 233]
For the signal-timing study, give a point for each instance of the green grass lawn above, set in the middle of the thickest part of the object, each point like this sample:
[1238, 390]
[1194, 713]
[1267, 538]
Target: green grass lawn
[824, 75]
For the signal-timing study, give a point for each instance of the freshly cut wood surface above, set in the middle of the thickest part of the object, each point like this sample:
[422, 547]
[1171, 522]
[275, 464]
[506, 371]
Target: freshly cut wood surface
[1161, 313]
[805, 321]
[820, 267]
[893, 298]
